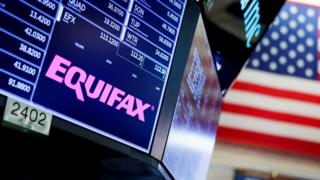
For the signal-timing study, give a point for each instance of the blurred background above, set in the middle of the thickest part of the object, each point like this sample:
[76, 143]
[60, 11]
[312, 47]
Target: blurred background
[270, 123]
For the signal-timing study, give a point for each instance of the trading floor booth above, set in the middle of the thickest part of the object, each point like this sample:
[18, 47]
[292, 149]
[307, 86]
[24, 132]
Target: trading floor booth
[106, 89]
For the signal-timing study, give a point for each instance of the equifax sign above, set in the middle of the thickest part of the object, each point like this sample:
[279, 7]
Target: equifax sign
[75, 78]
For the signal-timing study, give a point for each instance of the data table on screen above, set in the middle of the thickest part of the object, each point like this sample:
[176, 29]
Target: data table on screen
[102, 65]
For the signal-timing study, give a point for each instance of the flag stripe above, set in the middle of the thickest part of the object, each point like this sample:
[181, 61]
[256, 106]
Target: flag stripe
[280, 105]
[271, 115]
[267, 141]
[279, 82]
[261, 125]
[246, 86]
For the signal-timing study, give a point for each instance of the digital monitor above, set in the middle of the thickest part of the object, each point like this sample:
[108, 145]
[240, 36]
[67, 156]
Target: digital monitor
[234, 28]
[101, 65]
[193, 130]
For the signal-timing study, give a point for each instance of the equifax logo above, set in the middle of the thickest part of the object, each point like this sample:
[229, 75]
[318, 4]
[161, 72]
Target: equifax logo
[77, 79]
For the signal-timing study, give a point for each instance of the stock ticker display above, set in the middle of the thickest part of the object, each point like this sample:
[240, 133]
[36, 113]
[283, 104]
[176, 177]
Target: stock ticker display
[100, 64]
[193, 130]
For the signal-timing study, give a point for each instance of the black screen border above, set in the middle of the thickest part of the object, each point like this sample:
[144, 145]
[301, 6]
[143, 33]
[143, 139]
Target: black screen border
[187, 30]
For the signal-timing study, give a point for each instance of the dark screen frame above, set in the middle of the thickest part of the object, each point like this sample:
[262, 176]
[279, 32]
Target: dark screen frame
[188, 27]
[154, 157]
[178, 65]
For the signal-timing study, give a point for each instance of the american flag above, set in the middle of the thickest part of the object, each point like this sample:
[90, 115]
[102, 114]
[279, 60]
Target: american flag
[275, 101]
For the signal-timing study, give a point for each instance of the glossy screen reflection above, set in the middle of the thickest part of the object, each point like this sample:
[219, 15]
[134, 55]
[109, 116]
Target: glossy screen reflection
[193, 130]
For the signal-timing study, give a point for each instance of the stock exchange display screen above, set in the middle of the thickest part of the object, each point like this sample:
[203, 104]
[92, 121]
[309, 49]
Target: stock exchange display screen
[193, 130]
[100, 64]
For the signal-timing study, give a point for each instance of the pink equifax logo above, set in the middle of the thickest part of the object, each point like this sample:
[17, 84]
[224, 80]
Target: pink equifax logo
[77, 79]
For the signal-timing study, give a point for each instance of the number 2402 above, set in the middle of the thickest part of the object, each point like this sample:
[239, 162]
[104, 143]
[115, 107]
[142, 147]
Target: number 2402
[33, 115]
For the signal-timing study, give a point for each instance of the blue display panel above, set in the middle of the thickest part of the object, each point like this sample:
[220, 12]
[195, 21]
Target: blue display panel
[102, 65]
